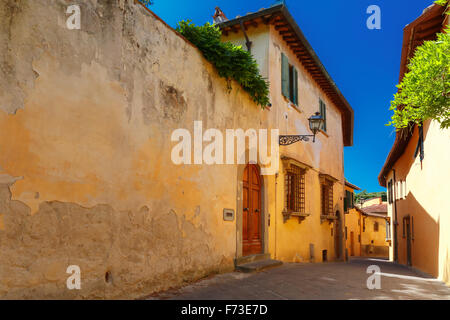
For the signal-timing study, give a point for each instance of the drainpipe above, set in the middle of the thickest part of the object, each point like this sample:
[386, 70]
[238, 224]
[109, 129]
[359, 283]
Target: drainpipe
[395, 219]
[248, 43]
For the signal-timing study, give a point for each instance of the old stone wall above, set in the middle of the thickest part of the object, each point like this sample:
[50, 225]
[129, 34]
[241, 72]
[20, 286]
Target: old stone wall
[86, 176]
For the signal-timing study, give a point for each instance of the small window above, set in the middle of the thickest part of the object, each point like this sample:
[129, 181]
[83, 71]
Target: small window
[348, 201]
[323, 113]
[289, 80]
[359, 238]
[346, 235]
[390, 195]
[295, 189]
[327, 198]
[375, 227]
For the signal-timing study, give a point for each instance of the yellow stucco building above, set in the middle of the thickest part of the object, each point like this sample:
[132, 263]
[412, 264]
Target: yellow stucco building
[367, 228]
[416, 172]
[353, 228]
[305, 199]
[90, 120]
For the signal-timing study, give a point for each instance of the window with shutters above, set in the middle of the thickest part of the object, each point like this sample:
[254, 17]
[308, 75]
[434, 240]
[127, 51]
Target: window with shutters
[323, 113]
[289, 80]
[375, 227]
[295, 189]
[349, 201]
[390, 194]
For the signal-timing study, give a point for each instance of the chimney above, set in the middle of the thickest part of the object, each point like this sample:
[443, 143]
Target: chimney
[219, 16]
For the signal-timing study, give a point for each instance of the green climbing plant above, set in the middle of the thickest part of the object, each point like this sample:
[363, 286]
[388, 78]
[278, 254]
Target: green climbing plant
[424, 92]
[231, 61]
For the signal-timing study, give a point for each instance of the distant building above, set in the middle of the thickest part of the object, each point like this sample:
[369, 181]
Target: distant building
[366, 229]
[375, 238]
[369, 202]
[352, 222]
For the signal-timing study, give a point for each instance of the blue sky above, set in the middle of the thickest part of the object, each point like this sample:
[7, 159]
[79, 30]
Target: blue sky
[364, 63]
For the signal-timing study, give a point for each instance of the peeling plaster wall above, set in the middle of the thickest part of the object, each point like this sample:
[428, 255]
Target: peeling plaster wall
[86, 176]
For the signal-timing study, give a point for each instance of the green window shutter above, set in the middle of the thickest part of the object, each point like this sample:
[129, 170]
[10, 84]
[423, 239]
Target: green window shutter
[321, 109]
[295, 87]
[346, 201]
[284, 75]
[353, 201]
[323, 112]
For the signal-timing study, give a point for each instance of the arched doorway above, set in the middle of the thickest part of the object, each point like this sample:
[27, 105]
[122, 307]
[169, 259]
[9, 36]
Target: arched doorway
[251, 211]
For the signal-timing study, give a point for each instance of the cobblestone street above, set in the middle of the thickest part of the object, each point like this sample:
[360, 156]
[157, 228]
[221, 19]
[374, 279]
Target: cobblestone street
[335, 281]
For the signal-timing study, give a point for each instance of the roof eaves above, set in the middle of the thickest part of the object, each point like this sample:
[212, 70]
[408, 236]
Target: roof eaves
[282, 10]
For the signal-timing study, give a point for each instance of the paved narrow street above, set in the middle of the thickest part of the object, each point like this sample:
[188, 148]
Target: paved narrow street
[334, 281]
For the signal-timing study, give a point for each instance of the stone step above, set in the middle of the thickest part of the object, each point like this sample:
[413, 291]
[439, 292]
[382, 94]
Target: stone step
[252, 258]
[258, 265]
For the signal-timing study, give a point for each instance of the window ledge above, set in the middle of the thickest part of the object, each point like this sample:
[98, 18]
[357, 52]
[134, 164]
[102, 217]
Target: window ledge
[330, 218]
[292, 104]
[301, 216]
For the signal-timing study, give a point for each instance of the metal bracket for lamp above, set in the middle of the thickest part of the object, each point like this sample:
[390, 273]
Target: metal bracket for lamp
[288, 140]
[315, 123]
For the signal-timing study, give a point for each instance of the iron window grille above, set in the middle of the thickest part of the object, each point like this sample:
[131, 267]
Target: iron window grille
[327, 198]
[295, 189]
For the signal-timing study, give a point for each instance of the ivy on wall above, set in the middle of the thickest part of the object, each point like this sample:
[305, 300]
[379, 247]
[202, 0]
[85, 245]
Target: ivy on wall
[231, 61]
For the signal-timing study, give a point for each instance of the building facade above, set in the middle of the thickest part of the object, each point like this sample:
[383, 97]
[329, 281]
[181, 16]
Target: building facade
[312, 228]
[353, 228]
[367, 229]
[91, 124]
[415, 174]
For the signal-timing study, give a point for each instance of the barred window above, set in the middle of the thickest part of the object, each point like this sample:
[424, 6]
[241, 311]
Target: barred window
[295, 189]
[327, 198]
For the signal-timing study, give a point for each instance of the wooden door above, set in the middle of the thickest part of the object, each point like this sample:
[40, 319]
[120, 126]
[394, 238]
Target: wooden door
[251, 220]
[352, 244]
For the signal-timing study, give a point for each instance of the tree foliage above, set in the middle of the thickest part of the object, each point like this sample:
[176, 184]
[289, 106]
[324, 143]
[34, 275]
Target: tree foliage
[231, 61]
[424, 92]
[364, 195]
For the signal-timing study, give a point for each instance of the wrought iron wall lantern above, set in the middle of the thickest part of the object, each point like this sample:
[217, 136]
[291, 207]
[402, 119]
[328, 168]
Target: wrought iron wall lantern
[315, 123]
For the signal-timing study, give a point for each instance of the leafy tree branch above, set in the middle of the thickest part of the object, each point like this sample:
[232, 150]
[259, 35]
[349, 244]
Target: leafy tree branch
[424, 92]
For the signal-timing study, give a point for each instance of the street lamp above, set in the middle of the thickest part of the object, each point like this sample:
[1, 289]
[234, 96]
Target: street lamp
[315, 123]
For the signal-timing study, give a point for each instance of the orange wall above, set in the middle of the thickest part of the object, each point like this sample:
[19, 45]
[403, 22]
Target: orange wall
[420, 195]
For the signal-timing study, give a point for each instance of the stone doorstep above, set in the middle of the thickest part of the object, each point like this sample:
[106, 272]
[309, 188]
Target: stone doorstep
[258, 265]
[252, 258]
